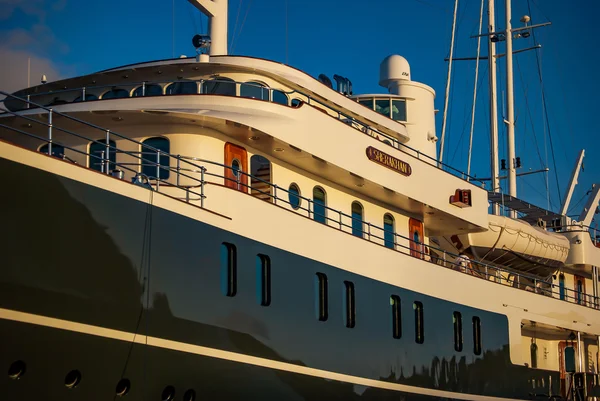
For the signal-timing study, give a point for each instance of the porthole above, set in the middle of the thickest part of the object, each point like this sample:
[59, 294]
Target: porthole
[294, 196]
[123, 387]
[168, 393]
[189, 395]
[72, 379]
[16, 370]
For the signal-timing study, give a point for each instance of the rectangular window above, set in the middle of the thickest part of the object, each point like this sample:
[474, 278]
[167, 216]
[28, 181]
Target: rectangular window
[322, 304]
[349, 305]
[228, 269]
[476, 335]
[263, 280]
[458, 331]
[399, 110]
[396, 316]
[419, 329]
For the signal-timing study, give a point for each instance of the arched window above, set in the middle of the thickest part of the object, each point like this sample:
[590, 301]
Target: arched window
[296, 102]
[149, 157]
[88, 96]
[57, 150]
[182, 88]
[260, 169]
[280, 97]
[561, 286]
[388, 231]
[294, 196]
[319, 205]
[533, 350]
[254, 90]
[148, 90]
[115, 93]
[219, 86]
[357, 219]
[97, 156]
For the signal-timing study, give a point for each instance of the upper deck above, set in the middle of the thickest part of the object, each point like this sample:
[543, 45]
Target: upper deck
[317, 121]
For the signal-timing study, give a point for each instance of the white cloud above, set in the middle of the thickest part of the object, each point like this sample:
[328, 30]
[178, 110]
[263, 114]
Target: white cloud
[13, 69]
[32, 42]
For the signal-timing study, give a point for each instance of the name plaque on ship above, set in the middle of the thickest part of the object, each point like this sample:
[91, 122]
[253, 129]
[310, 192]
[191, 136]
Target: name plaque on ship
[388, 161]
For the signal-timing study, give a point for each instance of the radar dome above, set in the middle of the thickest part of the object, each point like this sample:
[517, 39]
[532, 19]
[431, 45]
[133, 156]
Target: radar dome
[393, 68]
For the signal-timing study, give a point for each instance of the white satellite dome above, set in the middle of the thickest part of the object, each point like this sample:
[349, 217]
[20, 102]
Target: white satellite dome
[393, 68]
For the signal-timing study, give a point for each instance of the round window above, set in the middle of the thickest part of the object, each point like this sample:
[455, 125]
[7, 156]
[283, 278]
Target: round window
[294, 196]
[235, 168]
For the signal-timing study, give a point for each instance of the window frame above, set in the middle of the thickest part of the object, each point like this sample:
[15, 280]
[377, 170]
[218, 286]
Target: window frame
[229, 271]
[361, 220]
[322, 297]
[386, 242]
[396, 306]
[349, 304]
[458, 331]
[297, 195]
[263, 279]
[476, 335]
[419, 322]
[322, 217]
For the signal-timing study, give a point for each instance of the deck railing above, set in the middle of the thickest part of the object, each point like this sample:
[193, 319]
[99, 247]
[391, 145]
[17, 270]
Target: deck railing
[211, 87]
[198, 173]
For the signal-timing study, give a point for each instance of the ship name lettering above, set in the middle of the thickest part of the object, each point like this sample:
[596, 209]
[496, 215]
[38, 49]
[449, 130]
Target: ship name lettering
[388, 161]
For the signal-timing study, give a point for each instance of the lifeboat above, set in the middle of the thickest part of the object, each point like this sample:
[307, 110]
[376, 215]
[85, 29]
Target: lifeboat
[517, 245]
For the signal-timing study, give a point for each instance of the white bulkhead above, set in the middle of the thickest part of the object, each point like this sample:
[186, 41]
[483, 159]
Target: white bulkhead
[394, 75]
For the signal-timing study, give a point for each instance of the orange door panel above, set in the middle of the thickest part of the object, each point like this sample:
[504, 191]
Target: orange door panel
[415, 230]
[236, 176]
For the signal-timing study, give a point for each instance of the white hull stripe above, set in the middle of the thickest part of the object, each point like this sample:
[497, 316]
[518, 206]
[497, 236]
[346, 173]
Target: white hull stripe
[97, 331]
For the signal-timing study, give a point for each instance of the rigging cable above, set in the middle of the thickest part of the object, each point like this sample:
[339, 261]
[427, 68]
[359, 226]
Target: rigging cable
[191, 14]
[466, 121]
[446, 98]
[241, 27]
[529, 112]
[286, 33]
[475, 92]
[173, 28]
[144, 282]
[237, 17]
[545, 109]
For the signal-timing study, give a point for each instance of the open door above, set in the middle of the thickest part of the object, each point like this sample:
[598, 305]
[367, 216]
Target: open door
[236, 176]
[415, 230]
[567, 351]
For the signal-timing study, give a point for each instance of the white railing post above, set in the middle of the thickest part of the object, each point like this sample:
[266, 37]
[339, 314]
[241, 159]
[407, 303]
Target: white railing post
[107, 154]
[157, 169]
[50, 132]
[202, 170]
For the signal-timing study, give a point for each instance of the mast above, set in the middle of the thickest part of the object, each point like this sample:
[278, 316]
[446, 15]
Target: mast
[446, 100]
[493, 105]
[510, 107]
[216, 11]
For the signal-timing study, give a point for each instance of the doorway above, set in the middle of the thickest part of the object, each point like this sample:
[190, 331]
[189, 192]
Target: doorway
[236, 172]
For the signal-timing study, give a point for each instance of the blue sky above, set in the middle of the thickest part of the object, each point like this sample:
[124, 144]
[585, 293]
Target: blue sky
[350, 38]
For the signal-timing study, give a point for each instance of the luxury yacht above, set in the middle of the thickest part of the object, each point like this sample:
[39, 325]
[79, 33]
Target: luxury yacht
[226, 228]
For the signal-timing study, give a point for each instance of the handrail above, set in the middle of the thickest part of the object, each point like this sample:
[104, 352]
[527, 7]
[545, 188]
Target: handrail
[185, 166]
[362, 126]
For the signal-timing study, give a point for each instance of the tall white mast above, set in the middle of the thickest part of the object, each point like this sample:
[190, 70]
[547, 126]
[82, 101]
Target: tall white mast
[510, 106]
[216, 10]
[493, 103]
[446, 100]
